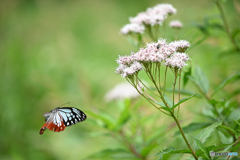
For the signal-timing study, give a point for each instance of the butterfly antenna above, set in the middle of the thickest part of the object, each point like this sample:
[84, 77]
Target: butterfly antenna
[64, 104]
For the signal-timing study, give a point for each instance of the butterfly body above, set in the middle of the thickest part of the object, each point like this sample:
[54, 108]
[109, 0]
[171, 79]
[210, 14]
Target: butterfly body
[59, 118]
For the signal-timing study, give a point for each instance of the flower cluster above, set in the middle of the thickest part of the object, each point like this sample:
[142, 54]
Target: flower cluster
[121, 91]
[180, 46]
[132, 28]
[172, 54]
[175, 24]
[152, 16]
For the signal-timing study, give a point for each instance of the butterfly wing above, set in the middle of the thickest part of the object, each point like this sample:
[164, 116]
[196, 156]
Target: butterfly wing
[53, 122]
[71, 115]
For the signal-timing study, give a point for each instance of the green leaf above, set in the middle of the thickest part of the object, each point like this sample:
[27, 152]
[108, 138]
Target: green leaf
[159, 132]
[236, 122]
[230, 146]
[172, 150]
[146, 150]
[201, 79]
[185, 76]
[124, 115]
[193, 127]
[160, 104]
[202, 147]
[168, 100]
[235, 147]
[230, 129]
[235, 114]
[183, 100]
[225, 82]
[113, 154]
[107, 121]
[201, 27]
[205, 133]
[223, 138]
[132, 41]
[235, 32]
[199, 42]
[211, 148]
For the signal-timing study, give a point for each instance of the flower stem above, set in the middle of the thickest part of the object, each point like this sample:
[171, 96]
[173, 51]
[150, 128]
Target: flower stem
[179, 85]
[149, 27]
[174, 83]
[165, 79]
[183, 135]
[217, 2]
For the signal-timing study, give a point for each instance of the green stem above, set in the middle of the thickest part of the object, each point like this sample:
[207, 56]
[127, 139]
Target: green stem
[156, 30]
[165, 79]
[174, 84]
[132, 83]
[150, 32]
[183, 135]
[179, 85]
[217, 2]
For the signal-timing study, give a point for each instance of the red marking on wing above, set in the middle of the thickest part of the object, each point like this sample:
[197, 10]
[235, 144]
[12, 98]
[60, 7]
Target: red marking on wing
[51, 126]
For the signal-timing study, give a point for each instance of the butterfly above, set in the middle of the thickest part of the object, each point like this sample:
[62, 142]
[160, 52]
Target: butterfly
[60, 118]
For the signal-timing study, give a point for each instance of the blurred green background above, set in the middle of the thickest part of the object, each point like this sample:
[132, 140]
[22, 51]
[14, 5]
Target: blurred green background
[58, 51]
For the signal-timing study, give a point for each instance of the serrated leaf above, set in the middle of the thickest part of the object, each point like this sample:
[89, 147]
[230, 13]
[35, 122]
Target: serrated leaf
[225, 82]
[235, 147]
[211, 148]
[235, 114]
[168, 100]
[201, 79]
[202, 147]
[172, 150]
[230, 146]
[223, 138]
[228, 128]
[160, 104]
[183, 100]
[185, 76]
[205, 133]
[193, 127]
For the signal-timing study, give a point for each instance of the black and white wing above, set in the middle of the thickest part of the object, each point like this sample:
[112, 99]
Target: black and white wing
[71, 115]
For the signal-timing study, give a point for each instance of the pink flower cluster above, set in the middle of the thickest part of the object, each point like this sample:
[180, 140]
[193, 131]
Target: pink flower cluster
[181, 45]
[152, 16]
[175, 24]
[132, 27]
[160, 52]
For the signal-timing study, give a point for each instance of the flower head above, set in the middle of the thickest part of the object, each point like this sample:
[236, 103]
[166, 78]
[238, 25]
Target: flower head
[180, 46]
[165, 9]
[175, 24]
[121, 91]
[127, 66]
[177, 60]
[132, 28]
[171, 55]
[154, 16]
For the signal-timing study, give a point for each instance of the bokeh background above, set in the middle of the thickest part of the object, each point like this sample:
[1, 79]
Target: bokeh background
[58, 51]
